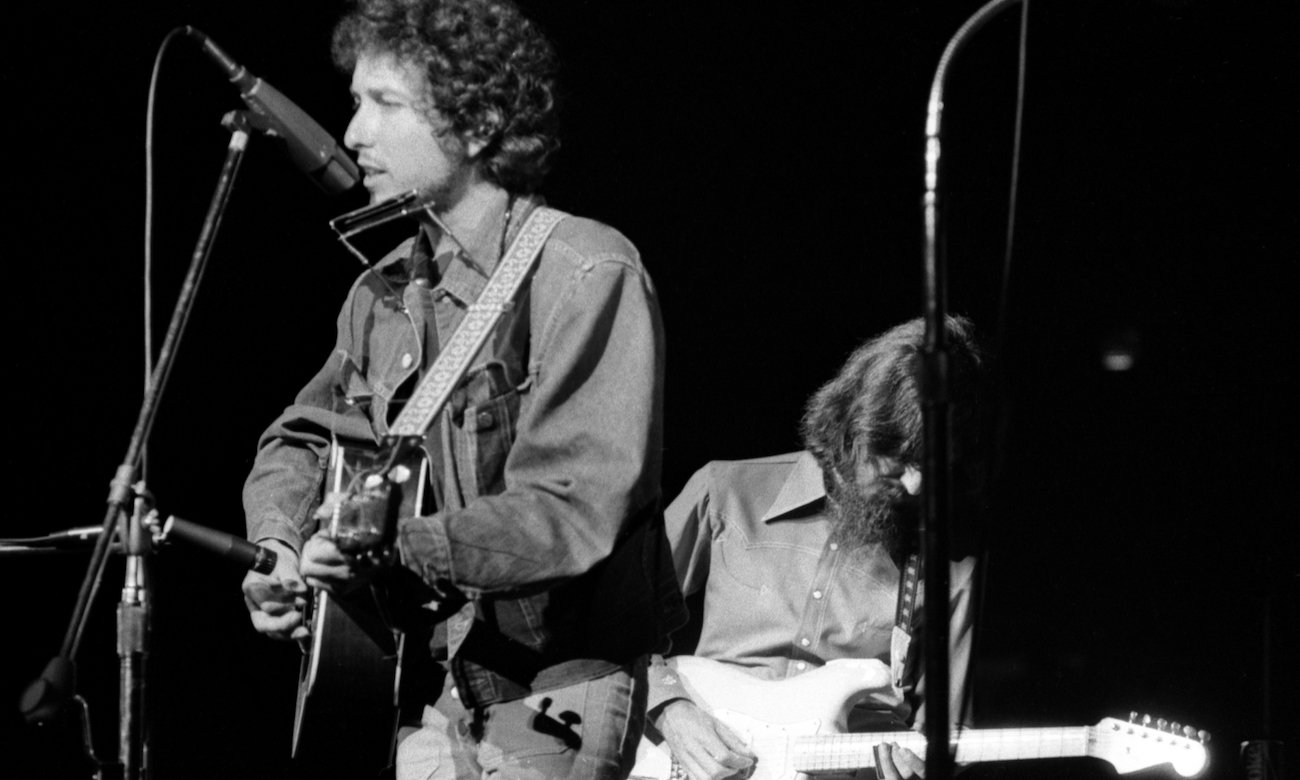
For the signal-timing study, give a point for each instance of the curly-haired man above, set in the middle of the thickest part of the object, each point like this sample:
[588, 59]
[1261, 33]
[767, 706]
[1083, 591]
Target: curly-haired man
[544, 464]
[798, 558]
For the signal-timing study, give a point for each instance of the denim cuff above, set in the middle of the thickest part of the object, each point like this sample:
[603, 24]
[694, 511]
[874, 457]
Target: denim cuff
[281, 530]
[426, 550]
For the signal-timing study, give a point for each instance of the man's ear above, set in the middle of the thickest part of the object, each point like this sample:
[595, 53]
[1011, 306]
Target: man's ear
[474, 146]
[482, 136]
[911, 479]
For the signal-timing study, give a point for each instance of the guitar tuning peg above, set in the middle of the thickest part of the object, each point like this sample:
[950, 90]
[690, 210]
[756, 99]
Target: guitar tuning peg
[1204, 736]
[1162, 724]
[1132, 716]
[1146, 720]
[1175, 728]
[1189, 732]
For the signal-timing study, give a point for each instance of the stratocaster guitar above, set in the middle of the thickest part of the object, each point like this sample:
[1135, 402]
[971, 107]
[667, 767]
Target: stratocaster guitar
[346, 714]
[791, 726]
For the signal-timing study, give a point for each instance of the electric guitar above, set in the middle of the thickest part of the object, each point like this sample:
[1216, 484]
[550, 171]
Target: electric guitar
[791, 726]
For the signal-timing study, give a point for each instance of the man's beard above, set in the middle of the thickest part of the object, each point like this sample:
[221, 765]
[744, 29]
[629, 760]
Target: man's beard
[882, 512]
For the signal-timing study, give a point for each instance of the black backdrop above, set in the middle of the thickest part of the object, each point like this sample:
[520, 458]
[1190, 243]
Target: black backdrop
[768, 165]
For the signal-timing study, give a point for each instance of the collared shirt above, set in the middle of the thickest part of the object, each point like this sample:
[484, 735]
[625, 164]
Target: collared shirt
[780, 597]
[545, 460]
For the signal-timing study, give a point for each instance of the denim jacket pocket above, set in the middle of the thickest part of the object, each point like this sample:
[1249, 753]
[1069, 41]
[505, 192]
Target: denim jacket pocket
[355, 389]
[483, 412]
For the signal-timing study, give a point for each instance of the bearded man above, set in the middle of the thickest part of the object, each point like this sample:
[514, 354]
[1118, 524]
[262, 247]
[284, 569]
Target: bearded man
[800, 557]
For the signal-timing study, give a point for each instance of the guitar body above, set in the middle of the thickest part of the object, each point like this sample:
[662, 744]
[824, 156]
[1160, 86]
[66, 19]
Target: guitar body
[795, 727]
[769, 715]
[345, 720]
[346, 715]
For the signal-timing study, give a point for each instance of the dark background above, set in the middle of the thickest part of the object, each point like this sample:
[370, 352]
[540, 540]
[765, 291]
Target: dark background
[768, 164]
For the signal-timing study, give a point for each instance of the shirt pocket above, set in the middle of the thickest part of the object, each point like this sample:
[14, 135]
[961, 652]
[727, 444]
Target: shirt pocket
[759, 569]
[484, 410]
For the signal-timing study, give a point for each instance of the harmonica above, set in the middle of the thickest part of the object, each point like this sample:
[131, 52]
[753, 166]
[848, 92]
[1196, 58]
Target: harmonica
[367, 217]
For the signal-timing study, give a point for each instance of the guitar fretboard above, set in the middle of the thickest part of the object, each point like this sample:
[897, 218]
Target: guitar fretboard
[850, 751]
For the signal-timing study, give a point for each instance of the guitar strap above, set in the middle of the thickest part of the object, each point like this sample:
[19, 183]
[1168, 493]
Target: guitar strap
[901, 639]
[431, 395]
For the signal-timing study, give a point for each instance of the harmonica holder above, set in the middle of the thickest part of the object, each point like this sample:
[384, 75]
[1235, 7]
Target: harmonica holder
[367, 217]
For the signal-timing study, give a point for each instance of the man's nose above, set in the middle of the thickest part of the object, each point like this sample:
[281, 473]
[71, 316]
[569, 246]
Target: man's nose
[356, 135]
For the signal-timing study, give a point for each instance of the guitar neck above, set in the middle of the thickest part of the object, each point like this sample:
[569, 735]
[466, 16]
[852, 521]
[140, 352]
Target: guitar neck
[852, 751]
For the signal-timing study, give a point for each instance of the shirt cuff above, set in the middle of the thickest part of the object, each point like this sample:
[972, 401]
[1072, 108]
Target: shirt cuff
[279, 530]
[426, 550]
[664, 685]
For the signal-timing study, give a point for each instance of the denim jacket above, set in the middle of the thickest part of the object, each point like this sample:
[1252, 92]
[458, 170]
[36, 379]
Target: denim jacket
[545, 462]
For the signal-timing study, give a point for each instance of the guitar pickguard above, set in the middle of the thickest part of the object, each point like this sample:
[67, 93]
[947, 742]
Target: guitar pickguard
[771, 742]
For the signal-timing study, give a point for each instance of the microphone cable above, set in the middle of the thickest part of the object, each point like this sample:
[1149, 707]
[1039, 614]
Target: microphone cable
[148, 225]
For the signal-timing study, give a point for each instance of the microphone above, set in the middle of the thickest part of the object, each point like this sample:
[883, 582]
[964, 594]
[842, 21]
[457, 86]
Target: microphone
[239, 550]
[311, 148]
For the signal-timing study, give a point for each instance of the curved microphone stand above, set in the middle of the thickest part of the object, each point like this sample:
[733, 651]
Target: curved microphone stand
[934, 416]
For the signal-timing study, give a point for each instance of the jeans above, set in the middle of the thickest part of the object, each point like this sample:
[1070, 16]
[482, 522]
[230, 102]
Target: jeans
[585, 731]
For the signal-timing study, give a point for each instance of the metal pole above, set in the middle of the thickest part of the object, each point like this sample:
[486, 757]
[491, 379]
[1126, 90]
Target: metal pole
[45, 697]
[939, 752]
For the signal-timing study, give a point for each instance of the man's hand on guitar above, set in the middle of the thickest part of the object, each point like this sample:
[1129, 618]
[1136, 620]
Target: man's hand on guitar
[702, 745]
[894, 762]
[326, 567]
[275, 601]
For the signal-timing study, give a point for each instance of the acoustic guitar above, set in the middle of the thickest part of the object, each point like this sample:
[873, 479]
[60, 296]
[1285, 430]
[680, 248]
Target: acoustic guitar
[346, 714]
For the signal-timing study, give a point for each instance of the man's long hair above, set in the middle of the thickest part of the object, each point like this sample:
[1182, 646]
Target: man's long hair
[872, 408]
[490, 75]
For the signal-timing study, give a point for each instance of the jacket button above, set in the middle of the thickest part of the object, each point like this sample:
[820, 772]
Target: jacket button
[485, 420]
[407, 360]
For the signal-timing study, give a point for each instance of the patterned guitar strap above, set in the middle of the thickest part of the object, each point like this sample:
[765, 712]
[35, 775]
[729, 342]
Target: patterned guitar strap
[431, 395]
[900, 641]
[451, 364]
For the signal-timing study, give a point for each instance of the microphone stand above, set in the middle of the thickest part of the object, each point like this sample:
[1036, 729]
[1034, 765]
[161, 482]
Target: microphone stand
[935, 518]
[134, 613]
[46, 697]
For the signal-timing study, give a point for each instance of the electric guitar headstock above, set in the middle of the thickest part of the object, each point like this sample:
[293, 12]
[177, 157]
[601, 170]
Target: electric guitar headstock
[1142, 742]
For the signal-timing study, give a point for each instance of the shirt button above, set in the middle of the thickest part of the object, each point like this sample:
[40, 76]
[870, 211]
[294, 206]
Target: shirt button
[407, 360]
[805, 641]
[835, 546]
[455, 693]
[817, 594]
[420, 281]
[800, 665]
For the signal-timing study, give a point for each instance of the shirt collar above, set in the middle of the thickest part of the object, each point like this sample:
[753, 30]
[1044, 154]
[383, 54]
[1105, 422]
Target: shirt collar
[465, 279]
[803, 487]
